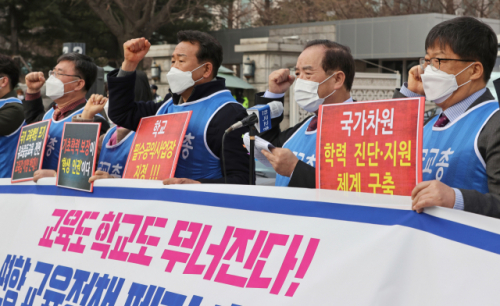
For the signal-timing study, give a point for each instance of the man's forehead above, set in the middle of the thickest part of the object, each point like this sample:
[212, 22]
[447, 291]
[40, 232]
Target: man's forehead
[311, 58]
[65, 66]
[185, 48]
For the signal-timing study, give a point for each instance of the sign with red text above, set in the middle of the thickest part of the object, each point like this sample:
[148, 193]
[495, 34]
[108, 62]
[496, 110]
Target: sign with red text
[77, 157]
[373, 146]
[29, 152]
[135, 242]
[156, 147]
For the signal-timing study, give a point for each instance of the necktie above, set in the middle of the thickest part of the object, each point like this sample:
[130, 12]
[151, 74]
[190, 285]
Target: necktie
[313, 124]
[442, 121]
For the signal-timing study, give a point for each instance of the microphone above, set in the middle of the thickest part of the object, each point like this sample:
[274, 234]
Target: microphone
[260, 115]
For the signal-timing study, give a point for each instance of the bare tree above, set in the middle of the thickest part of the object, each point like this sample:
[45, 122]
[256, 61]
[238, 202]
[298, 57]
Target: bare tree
[128, 19]
[232, 14]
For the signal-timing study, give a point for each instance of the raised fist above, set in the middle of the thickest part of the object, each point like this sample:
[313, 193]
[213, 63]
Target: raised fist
[280, 81]
[34, 81]
[95, 104]
[134, 51]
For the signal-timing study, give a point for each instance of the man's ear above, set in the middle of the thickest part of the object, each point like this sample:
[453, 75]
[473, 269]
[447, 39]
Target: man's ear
[4, 82]
[339, 80]
[209, 68]
[80, 85]
[477, 71]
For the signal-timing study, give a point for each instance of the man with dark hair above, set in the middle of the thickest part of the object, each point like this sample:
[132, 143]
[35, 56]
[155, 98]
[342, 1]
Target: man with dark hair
[325, 73]
[67, 85]
[461, 147]
[11, 114]
[194, 86]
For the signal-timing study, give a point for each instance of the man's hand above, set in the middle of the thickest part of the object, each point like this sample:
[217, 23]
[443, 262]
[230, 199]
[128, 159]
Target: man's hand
[134, 51]
[280, 81]
[174, 181]
[415, 81]
[282, 160]
[94, 105]
[34, 81]
[99, 175]
[432, 193]
[43, 173]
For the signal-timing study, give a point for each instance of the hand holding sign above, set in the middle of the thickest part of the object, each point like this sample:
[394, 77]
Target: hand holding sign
[95, 104]
[43, 173]
[34, 81]
[432, 193]
[280, 81]
[134, 50]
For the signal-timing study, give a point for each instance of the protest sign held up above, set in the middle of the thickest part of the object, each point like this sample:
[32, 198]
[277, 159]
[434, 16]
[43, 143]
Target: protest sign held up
[371, 146]
[156, 147]
[78, 155]
[30, 149]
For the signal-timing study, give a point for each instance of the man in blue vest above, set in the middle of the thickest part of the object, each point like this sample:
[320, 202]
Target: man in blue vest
[461, 147]
[67, 86]
[11, 114]
[194, 86]
[324, 75]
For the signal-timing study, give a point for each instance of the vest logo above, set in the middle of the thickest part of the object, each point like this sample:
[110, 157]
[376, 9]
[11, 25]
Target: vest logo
[310, 160]
[187, 145]
[51, 145]
[443, 161]
[105, 166]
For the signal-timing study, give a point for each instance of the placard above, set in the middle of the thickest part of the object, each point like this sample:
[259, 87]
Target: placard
[156, 147]
[77, 156]
[373, 146]
[29, 151]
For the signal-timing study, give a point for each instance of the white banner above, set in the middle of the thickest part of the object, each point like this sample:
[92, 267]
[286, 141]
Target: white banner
[141, 243]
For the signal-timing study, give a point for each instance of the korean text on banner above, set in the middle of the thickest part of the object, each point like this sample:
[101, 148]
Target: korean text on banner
[156, 147]
[78, 155]
[30, 149]
[373, 146]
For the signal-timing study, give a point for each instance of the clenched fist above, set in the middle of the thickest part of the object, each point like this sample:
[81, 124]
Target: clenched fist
[415, 81]
[34, 81]
[280, 81]
[134, 51]
[95, 104]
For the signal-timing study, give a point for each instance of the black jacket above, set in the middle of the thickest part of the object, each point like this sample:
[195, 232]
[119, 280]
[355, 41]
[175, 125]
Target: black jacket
[488, 144]
[303, 175]
[127, 113]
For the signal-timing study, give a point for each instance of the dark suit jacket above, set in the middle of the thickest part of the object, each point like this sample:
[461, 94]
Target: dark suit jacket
[489, 146]
[303, 175]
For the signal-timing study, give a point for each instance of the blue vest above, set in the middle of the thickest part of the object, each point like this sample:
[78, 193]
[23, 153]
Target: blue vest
[113, 158]
[8, 144]
[303, 144]
[450, 153]
[51, 157]
[196, 160]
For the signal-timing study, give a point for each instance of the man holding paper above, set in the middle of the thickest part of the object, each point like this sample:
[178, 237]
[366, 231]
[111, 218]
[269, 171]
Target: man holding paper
[325, 73]
[461, 147]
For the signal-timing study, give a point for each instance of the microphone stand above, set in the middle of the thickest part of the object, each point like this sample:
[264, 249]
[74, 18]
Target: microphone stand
[253, 132]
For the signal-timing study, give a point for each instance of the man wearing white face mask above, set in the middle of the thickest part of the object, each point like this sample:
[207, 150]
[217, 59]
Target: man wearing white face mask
[325, 73]
[461, 147]
[67, 85]
[194, 86]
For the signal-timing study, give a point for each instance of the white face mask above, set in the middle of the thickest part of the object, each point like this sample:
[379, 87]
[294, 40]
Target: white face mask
[180, 80]
[439, 85]
[306, 94]
[20, 97]
[55, 87]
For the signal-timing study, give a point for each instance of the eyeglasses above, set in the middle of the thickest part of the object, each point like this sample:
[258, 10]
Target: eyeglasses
[436, 62]
[57, 74]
